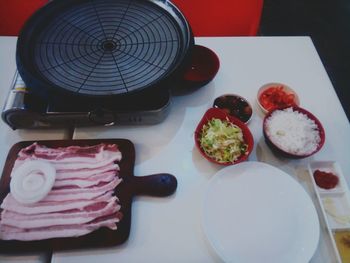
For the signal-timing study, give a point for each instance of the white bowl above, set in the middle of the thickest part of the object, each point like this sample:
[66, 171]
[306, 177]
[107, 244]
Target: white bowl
[286, 88]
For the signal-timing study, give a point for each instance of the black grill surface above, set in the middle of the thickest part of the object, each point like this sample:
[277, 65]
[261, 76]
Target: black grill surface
[103, 47]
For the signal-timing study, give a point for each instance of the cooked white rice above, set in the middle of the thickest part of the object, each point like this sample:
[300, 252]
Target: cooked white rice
[293, 131]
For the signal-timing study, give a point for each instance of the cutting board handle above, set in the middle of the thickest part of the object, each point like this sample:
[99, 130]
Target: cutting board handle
[154, 185]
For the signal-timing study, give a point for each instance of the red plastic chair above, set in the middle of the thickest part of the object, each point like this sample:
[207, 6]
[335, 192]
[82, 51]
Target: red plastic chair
[14, 13]
[222, 17]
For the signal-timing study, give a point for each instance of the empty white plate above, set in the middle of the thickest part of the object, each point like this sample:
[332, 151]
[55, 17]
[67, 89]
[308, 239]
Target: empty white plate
[254, 212]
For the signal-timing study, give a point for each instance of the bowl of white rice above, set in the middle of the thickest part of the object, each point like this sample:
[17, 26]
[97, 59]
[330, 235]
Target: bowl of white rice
[293, 132]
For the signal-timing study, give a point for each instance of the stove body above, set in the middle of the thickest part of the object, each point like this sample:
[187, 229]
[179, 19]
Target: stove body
[24, 110]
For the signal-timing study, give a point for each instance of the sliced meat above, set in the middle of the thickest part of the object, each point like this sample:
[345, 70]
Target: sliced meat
[81, 193]
[11, 204]
[101, 188]
[73, 157]
[88, 182]
[14, 233]
[84, 172]
[74, 165]
[71, 153]
[63, 218]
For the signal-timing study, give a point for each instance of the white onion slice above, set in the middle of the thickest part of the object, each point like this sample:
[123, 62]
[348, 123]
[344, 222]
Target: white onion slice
[32, 181]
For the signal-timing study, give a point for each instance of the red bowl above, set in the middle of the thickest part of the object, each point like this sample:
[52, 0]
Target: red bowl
[222, 115]
[284, 153]
[203, 67]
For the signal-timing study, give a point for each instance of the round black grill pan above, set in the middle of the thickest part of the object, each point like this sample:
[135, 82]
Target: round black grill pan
[102, 47]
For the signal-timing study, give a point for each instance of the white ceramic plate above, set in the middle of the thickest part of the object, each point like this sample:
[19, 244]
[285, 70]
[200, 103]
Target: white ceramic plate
[254, 212]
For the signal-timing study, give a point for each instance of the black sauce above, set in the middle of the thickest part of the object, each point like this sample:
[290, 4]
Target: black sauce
[235, 106]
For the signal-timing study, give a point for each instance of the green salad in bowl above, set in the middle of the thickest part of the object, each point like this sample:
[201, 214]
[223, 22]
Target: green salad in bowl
[223, 139]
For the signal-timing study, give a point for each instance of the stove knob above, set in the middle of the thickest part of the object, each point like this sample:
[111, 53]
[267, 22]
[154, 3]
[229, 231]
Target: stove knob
[102, 117]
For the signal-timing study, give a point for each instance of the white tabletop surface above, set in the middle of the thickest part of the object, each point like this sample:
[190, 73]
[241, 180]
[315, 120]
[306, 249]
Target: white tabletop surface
[8, 137]
[169, 229]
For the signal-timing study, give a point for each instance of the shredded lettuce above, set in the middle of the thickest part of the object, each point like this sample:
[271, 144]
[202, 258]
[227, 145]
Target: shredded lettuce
[222, 140]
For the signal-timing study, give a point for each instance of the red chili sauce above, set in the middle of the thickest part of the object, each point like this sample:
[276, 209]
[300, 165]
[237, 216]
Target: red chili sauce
[326, 180]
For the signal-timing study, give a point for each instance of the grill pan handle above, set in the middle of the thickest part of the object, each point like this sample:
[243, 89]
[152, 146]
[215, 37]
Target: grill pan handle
[154, 185]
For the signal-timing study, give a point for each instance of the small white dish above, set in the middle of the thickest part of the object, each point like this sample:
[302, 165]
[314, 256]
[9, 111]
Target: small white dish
[334, 203]
[327, 166]
[337, 210]
[285, 88]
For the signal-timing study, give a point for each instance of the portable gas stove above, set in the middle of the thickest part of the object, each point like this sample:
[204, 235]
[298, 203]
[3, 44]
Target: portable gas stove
[98, 62]
[23, 110]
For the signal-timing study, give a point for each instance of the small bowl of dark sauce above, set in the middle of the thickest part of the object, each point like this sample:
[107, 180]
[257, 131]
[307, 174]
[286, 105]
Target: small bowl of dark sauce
[235, 106]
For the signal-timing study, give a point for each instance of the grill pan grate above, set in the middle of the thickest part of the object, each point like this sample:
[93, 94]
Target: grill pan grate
[105, 47]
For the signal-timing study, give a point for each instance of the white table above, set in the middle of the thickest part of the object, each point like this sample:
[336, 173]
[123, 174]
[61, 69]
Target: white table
[8, 137]
[169, 229]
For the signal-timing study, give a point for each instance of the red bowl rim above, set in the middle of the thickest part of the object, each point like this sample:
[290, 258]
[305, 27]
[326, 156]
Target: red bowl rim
[220, 114]
[309, 115]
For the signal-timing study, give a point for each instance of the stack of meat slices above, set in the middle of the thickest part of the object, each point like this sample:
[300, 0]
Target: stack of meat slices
[81, 200]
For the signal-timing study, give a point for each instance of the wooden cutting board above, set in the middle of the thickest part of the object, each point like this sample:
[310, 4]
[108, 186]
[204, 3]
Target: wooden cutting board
[153, 185]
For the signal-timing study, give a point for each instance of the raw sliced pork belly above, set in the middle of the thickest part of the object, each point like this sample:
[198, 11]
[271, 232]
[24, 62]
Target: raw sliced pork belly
[78, 165]
[91, 181]
[85, 173]
[81, 200]
[72, 154]
[88, 193]
[73, 157]
[11, 204]
[61, 218]
[25, 234]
